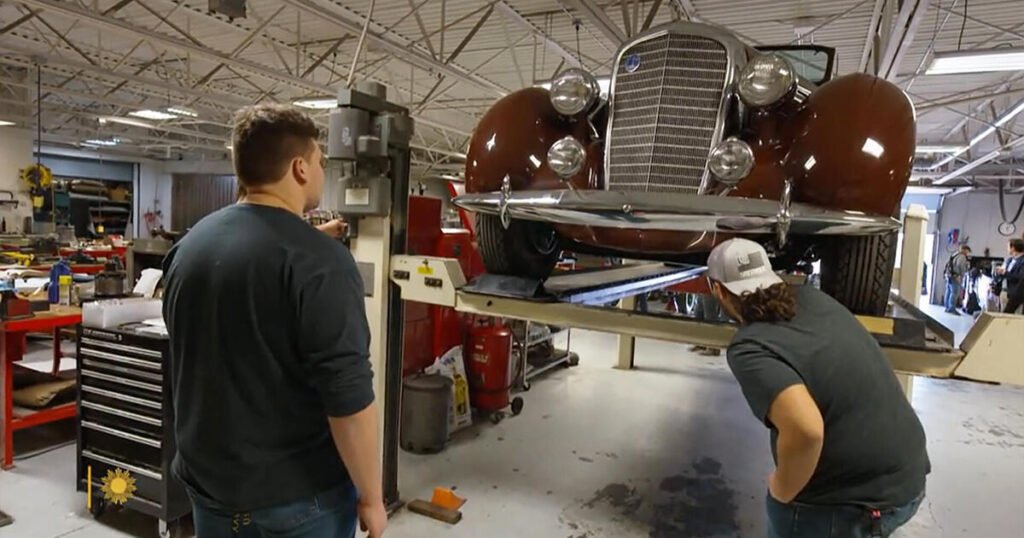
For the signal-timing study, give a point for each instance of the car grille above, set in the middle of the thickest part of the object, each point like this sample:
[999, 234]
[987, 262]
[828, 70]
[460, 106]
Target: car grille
[664, 113]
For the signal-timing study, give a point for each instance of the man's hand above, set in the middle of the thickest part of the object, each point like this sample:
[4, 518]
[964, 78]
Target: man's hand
[373, 518]
[1000, 270]
[334, 228]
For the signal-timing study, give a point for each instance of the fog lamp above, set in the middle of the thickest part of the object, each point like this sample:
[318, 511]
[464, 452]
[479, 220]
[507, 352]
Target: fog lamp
[731, 160]
[566, 157]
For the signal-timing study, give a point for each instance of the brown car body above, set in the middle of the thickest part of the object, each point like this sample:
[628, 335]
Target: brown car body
[835, 160]
[848, 146]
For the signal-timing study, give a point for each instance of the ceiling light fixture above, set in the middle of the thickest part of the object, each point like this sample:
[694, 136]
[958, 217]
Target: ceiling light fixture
[938, 149]
[152, 115]
[126, 121]
[977, 61]
[182, 112]
[5, 123]
[99, 142]
[319, 103]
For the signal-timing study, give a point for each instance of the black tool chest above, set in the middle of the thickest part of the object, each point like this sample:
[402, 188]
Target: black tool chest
[126, 420]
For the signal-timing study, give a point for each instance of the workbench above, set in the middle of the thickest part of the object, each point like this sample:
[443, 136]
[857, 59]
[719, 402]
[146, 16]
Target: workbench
[12, 349]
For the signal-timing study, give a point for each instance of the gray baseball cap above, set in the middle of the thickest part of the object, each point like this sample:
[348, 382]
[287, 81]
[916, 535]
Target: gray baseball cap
[742, 266]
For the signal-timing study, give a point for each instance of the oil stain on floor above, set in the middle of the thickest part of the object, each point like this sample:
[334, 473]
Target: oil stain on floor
[695, 503]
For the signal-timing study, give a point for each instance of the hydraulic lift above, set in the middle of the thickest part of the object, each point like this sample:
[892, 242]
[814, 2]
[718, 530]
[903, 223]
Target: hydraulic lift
[369, 150]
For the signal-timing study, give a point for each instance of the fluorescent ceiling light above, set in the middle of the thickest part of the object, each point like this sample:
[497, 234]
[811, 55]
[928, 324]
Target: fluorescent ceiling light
[152, 115]
[939, 149]
[977, 61]
[318, 103]
[126, 121]
[98, 142]
[182, 112]
[919, 189]
[5, 123]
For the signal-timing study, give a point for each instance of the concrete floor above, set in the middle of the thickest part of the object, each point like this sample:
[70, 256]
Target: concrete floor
[683, 458]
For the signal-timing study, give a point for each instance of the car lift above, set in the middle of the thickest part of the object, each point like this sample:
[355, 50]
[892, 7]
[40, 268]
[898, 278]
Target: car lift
[915, 344]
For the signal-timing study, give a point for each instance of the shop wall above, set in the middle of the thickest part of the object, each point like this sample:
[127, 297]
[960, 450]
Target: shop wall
[153, 201]
[15, 154]
[977, 216]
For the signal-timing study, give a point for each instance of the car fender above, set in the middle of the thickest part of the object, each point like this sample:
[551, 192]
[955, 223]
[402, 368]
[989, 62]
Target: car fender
[513, 137]
[854, 146]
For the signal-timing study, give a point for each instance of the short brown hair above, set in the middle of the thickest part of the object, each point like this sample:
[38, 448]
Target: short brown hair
[1017, 245]
[770, 305]
[265, 138]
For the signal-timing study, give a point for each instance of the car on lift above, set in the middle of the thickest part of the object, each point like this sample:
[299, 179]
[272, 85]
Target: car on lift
[698, 138]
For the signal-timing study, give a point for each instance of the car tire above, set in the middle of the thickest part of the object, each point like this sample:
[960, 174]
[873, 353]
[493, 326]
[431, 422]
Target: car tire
[857, 272]
[526, 248]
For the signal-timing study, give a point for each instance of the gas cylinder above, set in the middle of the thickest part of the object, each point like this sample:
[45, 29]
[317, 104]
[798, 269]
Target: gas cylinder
[489, 367]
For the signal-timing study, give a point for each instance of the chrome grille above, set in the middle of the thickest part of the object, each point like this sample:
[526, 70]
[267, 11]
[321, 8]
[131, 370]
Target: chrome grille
[664, 113]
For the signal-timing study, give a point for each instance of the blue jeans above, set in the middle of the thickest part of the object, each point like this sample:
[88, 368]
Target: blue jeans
[331, 514]
[795, 520]
[952, 294]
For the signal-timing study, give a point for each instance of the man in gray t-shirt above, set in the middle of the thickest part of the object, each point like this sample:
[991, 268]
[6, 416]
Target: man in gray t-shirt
[850, 452]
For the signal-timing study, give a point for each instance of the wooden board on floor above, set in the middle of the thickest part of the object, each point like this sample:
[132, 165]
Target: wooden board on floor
[433, 511]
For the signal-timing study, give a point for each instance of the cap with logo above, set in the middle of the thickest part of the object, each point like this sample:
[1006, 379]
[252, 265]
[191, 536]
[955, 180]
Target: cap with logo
[742, 266]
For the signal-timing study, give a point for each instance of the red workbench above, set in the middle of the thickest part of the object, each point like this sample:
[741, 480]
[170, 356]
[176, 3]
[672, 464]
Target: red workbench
[79, 268]
[12, 349]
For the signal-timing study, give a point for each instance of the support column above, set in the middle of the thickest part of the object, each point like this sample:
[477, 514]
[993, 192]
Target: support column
[627, 343]
[915, 226]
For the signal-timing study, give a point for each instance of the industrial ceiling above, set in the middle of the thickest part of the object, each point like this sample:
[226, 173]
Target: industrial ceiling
[97, 62]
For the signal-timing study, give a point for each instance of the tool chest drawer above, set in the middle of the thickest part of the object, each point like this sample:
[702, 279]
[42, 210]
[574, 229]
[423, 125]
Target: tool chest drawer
[125, 418]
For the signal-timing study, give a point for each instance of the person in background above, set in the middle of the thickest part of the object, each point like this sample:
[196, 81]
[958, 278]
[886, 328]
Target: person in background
[956, 270]
[1010, 277]
[850, 453]
[275, 419]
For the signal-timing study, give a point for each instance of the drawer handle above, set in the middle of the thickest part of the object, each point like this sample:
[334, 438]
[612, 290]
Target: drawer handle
[122, 397]
[118, 433]
[121, 347]
[124, 414]
[128, 382]
[123, 360]
[126, 466]
[122, 370]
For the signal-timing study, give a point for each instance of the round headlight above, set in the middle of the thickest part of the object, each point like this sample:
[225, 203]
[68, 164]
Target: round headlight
[566, 157]
[765, 80]
[573, 91]
[731, 160]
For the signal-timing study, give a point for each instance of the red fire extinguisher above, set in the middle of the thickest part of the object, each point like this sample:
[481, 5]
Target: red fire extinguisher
[490, 369]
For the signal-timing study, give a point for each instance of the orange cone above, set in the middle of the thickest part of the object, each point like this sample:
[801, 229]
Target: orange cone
[446, 498]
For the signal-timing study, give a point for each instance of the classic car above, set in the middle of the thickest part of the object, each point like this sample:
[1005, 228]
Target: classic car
[699, 138]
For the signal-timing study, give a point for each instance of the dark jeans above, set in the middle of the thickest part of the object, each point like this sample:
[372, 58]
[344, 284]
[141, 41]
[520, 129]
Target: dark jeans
[797, 520]
[1013, 303]
[331, 514]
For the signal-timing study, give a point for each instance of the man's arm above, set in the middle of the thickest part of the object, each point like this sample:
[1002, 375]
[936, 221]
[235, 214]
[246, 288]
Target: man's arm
[801, 437]
[779, 398]
[334, 346]
[356, 438]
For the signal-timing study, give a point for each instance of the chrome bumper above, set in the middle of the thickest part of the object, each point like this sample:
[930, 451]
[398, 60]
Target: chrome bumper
[674, 212]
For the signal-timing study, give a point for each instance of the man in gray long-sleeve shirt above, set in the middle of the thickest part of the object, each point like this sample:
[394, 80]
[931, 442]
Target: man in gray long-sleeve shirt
[956, 271]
